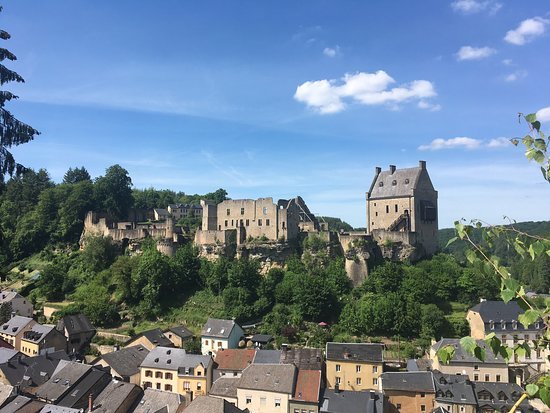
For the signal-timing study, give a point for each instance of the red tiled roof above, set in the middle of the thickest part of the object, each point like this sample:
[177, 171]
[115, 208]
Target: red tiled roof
[234, 359]
[308, 386]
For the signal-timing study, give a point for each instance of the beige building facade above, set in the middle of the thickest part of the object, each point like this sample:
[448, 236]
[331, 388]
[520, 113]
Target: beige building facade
[12, 331]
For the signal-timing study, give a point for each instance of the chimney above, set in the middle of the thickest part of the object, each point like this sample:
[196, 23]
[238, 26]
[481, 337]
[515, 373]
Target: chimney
[392, 169]
[90, 402]
[12, 314]
[377, 170]
[284, 347]
[336, 388]
[422, 164]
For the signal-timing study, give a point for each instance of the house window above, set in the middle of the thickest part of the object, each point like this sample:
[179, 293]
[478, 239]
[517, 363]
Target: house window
[358, 369]
[205, 342]
[338, 380]
[526, 337]
[498, 377]
[248, 399]
[167, 387]
[387, 209]
[422, 407]
[148, 373]
[503, 325]
[259, 222]
[375, 381]
[264, 210]
[375, 369]
[158, 374]
[226, 223]
[277, 402]
[476, 377]
[491, 325]
[228, 211]
[267, 222]
[199, 386]
[515, 325]
[220, 344]
[242, 211]
[168, 376]
[422, 394]
[476, 367]
[147, 384]
[247, 222]
[262, 401]
[396, 208]
[338, 367]
[199, 373]
[158, 386]
[487, 377]
[398, 406]
[358, 381]
[186, 385]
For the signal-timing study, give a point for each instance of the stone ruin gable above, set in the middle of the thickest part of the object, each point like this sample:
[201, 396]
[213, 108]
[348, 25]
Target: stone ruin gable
[213, 244]
[359, 251]
[404, 201]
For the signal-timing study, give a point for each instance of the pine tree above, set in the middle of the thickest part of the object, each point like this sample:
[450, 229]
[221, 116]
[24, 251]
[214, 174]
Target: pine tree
[13, 132]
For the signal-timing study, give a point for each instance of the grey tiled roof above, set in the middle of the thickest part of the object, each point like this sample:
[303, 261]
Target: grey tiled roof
[181, 331]
[15, 324]
[155, 336]
[412, 381]
[75, 324]
[355, 352]
[126, 361]
[508, 392]
[277, 378]
[61, 382]
[15, 404]
[303, 358]
[174, 359]
[401, 183]
[461, 356]
[7, 354]
[37, 333]
[267, 356]
[218, 328]
[207, 404]
[50, 408]
[502, 315]
[453, 389]
[115, 394]
[38, 369]
[351, 401]
[155, 400]
[225, 387]
[92, 383]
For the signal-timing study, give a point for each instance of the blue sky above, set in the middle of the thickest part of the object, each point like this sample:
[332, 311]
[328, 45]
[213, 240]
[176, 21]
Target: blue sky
[289, 98]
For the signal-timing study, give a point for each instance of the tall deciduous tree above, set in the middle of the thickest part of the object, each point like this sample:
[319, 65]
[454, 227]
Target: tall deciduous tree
[13, 132]
[73, 176]
[113, 192]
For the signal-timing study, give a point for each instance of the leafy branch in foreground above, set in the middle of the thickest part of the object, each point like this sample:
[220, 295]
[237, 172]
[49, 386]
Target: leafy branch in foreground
[528, 247]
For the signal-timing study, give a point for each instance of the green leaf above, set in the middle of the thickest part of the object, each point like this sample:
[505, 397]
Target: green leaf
[536, 125]
[494, 343]
[540, 144]
[468, 344]
[511, 284]
[527, 141]
[529, 317]
[507, 295]
[532, 389]
[520, 350]
[539, 157]
[531, 117]
[446, 354]
[479, 353]
[514, 141]
[506, 352]
[451, 241]
[532, 252]
[544, 395]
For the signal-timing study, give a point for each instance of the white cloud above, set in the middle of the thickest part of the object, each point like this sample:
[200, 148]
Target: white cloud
[452, 143]
[429, 106]
[527, 31]
[507, 62]
[499, 143]
[474, 53]
[543, 115]
[475, 6]
[331, 51]
[463, 142]
[517, 75]
[327, 96]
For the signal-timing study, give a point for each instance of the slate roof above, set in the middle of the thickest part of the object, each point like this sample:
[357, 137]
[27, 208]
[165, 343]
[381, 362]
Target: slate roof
[92, 383]
[234, 359]
[62, 381]
[49, 408]
[37, 333]
[155, 336]
[33, 406]
[419, 364]
[351, 401]
[14, 325]
[401, 182]
[155, 400]
[355, 352]
[32, 371]
[308, 386]
[267, 357]
[207, 404]
[303, 358]
[182, 332]
[7, 354]
[6, 391]
[115, 395]
[7, 295]
[461, 356]
[502, 315]
[126, 361]
[218, 328]
[225, 387]
[75, 324]
[453, 389]
[511, 392]
[411, 381]
[261, 338]
[277, 378]
[174, 359]
[15, 404]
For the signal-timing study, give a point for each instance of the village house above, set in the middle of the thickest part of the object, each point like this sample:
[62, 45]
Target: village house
[117, 397]
[158, 401]
[306, 392]
[502, 319]
[493, 369]
[499, 397]
[266, 388]
[207, 404]
[232, 362]
[178, 335]
[454, 393]
[179, 211]
[150, 339]
[353, 366]
[225, 387]
[78, 330]
[220, 334]
[408, 392]
[12, 331]
[402, 207]
[41, 338]
[124, 363]
[173, 370]
[302, 358]
[19, 304]
[338, 401]
[25, 372]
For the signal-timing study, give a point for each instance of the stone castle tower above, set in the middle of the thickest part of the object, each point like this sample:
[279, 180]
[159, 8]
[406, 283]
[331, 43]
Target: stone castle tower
[402, 207]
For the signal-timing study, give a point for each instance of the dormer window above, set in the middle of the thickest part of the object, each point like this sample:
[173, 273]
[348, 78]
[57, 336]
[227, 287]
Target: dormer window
[491, 324]
[209, 329]
[514, 324]
[222, 331]
[503, 324]
[381, 183]
[537, 325]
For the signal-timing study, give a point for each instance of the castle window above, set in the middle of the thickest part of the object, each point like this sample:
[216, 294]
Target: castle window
[228, 211]
[247, 222]
[381, 183]
[376, 213]
[264, 210]
[242, 211]
[226, 222]
[259, 222]
[387, 209]
[407, 181]
[267, 222]
[396, 208]
[394, 182]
